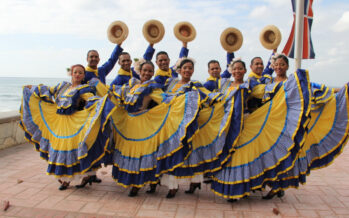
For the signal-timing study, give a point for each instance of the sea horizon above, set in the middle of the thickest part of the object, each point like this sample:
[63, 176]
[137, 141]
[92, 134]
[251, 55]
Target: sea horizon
[11, 89]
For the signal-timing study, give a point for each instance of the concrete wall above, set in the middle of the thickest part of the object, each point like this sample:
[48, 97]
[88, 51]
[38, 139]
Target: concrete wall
[10, 133]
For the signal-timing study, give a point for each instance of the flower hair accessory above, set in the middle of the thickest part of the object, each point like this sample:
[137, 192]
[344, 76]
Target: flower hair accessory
[137, 64]
[179, 61]
[230, 67]
[236, 59]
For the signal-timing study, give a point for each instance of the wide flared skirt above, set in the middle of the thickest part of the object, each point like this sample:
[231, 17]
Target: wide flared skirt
[328, 133]
[152, 142]
[71, 144]
[269, 141]
[219, 129]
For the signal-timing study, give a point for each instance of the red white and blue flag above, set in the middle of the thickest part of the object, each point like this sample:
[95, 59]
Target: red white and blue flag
[308, 51]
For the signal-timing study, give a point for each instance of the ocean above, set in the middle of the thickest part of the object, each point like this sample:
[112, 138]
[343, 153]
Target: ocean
[11, 89]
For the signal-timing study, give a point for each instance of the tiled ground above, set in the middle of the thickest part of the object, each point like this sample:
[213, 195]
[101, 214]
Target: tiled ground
[34, 194]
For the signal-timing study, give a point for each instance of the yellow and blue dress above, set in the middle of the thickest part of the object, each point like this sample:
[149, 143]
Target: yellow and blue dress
[327, 133]
[153, 141]
[66, 133]
[270, 138]
[101, 88]
[219, 125]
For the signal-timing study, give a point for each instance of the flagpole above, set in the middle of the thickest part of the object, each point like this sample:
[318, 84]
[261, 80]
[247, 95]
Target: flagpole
[299, 33]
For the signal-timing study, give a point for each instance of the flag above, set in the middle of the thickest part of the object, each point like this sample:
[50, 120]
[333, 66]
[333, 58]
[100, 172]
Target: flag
[308, 51]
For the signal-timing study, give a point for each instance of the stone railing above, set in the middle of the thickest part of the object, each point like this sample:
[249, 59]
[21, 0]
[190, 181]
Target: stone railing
[10, 133]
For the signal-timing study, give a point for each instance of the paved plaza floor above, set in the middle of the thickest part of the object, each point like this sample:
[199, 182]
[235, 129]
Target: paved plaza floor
[31, 193]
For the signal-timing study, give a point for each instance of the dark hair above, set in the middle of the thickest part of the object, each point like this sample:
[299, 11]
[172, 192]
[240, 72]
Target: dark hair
[161, 53]
[239, 61]
[124, 53]
[144, 63]
[283, 57]
[92, 50]
[184, 61]
[212, 62]
[255, 59]
[77, 65]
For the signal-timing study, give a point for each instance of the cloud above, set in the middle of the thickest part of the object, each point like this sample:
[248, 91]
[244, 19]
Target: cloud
[259, 12]
[51, 35]
[343, 23]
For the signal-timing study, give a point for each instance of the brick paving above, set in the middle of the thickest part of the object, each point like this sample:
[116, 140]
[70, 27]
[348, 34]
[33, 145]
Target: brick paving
[34, 194]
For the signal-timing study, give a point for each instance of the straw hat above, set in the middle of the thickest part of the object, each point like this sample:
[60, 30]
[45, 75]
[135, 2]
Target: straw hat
[153, 31]
[231, 39]
[184, 31]
[117, 32]
[270, 37]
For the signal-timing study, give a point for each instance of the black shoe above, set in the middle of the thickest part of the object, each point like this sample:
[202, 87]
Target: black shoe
[152, 188]
[95, 179]
[133, 192]
[84, 182]
[208, 181]
[272, 194]
[64, 186]
[171, 193]
[193, 187]
[258, 189]
[281, 193]
[232, 200]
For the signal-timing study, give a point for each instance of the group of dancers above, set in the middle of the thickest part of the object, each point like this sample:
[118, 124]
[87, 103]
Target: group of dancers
[240, 134]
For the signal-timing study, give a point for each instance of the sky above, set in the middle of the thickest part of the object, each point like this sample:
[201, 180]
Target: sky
[41, 38]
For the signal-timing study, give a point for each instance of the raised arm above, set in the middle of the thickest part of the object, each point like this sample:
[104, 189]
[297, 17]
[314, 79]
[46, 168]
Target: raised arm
[230, 57]
[182, 54]
[268, 70]
[184, 50]
[106, 68]
[149, 53]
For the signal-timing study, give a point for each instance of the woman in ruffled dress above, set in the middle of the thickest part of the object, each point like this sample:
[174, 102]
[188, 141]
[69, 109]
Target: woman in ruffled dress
[270, 138]
[150, 130]
[218, 126]
[327, 131]
[63, 122]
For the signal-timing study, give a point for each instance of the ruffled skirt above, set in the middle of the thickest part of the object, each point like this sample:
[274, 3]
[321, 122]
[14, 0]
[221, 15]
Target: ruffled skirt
[152, 142]
[213, 144]
[327, 135]
[269, 141]
[71, 144]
